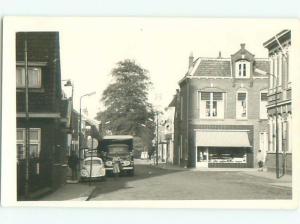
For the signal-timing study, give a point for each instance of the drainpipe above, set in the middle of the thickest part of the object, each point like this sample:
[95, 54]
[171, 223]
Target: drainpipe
[27, 136]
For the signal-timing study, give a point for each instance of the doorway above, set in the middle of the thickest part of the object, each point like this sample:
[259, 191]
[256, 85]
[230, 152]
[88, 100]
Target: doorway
[202, 157]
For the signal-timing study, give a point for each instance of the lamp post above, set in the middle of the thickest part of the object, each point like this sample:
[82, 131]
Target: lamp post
[80, 119]
[69, 83]
[27, 129]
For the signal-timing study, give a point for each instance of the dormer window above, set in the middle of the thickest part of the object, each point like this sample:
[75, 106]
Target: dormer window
[242, 69]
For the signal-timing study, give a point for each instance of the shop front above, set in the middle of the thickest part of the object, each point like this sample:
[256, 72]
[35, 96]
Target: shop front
[223, 149]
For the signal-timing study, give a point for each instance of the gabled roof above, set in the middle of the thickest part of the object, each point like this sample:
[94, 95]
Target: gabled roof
[213, 67]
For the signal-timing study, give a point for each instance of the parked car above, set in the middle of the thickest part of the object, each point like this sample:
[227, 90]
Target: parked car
[97, 167]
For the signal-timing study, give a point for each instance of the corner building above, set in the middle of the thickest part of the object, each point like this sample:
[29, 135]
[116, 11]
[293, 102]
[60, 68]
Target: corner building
[221, 118]
[280, 87]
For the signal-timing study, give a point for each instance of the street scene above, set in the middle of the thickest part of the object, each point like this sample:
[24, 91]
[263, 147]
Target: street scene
[141, 118]
[161, 183]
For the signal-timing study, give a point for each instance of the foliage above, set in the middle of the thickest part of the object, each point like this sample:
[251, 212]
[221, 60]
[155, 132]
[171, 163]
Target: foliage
[127, 110]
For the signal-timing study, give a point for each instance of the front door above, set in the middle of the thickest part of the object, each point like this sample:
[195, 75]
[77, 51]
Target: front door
[202, 157]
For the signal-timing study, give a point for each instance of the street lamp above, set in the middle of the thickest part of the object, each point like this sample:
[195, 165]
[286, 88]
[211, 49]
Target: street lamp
[69, 83]
[80, 119]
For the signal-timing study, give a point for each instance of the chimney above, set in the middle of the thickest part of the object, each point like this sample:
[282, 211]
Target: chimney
[191, 60]
[220, 54]
[243, 46]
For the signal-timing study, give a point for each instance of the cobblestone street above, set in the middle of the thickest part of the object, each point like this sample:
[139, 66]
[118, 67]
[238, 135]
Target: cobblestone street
[152, 183]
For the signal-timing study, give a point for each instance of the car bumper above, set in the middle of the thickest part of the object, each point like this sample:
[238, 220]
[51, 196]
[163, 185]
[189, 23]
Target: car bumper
[123, 168]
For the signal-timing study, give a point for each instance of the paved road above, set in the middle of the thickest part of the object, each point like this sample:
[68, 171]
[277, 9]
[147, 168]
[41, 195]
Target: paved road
[151, 183]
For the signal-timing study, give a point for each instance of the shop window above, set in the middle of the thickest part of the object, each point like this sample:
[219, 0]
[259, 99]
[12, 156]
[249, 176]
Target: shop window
[263, 114]
[34, 77]
[241, 105]
[211, 105]
[227, 155]
[242, 69]
[35, 143]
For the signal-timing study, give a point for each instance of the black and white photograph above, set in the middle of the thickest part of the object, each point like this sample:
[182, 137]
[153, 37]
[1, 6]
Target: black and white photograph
[148, 112]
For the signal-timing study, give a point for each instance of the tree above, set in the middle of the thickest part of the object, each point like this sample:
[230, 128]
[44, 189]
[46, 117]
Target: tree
[127, 110]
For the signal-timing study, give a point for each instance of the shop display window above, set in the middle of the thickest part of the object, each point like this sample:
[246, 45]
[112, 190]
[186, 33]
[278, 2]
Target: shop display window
[227, 155]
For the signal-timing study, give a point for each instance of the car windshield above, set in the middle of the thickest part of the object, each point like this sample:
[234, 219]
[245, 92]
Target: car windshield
[94, 162]
[119, 149]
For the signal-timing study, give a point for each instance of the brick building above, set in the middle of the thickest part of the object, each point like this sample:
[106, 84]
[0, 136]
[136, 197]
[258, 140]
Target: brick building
[221, 116]
[280, 85]
[48, 129]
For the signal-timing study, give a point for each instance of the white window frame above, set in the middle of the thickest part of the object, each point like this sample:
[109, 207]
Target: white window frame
[32, 141]
[22, 73]
[263, 141]
[242, 67]
[238, 116]
[263, 114]
[220, 106]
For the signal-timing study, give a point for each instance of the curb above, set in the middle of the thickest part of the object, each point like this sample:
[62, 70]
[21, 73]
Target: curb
[89, 193]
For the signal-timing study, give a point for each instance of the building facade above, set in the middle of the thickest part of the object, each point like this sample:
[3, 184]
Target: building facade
[279, 103]
[47, 130]
[220, 116]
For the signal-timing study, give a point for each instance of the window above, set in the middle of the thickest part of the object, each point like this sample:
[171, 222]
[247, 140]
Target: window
[34, 77]
[263, 114]
[242, 69]
[35, 143]
[263, 142]
[241, 105]
[211, 105]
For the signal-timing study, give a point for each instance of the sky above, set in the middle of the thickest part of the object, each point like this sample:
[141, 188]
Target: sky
[90, 49]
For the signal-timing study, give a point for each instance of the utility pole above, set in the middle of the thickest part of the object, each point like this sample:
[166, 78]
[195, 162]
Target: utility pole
[27, 129]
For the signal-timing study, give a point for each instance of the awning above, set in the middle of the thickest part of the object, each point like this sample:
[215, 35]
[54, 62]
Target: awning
[222, 139]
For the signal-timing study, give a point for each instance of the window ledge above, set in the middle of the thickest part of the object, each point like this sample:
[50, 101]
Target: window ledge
[241, 119]
[32, 90]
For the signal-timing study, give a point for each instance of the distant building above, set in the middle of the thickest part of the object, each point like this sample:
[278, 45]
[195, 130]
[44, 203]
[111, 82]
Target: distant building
[280, 81]
[221, 116]
[48, 131]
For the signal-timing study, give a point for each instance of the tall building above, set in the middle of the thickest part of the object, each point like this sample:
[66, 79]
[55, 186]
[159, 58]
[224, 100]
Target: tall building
[221, 116]
[279, 103]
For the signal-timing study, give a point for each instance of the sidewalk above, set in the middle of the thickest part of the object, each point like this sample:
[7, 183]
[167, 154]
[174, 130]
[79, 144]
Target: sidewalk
[284, 181]
[70, 192]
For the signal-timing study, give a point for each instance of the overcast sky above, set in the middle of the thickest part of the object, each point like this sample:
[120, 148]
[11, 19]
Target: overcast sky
[90, 48]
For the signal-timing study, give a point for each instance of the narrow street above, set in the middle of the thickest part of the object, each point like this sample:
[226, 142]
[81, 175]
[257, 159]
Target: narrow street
[152, 183]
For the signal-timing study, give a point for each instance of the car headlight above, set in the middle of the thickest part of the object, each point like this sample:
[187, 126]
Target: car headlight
[108, 163]
[84, 173]
[126, 163]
